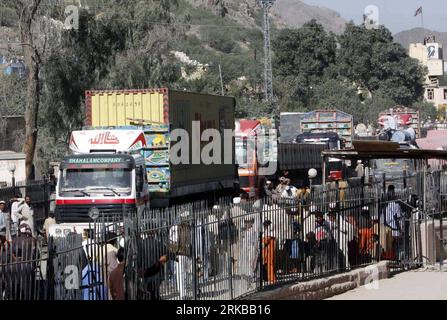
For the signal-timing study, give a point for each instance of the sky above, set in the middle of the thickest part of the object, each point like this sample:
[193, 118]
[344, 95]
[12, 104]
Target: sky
[396, 15]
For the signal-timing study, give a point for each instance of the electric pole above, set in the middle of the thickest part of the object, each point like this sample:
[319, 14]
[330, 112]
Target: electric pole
[268, 78]
[221, 80]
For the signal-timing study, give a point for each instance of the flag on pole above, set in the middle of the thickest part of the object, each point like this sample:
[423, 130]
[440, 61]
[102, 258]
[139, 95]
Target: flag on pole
[418, 11]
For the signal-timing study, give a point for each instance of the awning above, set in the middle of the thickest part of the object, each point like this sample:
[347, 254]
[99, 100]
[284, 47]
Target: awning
[383, 150]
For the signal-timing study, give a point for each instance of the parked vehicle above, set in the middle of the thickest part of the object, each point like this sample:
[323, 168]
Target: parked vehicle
[159, 112]
[400, 118]
[104, 176]
[329, 141]
[260, 155]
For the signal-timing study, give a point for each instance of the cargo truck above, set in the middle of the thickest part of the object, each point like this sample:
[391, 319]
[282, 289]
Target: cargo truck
[159, 112]
[105, 175]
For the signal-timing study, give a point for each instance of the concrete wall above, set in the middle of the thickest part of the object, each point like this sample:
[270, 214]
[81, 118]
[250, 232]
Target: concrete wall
[430, 236]
[327, 287]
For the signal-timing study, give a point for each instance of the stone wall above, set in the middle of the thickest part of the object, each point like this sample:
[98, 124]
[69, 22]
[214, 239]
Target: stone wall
[327, 287]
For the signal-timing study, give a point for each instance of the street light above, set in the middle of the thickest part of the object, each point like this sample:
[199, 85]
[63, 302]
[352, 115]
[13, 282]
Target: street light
[312, 173]
[12, 169]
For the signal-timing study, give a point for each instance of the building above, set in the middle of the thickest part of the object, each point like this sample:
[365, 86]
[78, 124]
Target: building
[430, 54]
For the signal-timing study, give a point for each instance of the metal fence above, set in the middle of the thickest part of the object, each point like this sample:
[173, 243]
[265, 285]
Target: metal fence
[228, 250]
[39, 191]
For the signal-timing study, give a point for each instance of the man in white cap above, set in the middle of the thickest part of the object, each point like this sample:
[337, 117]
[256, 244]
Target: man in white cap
[281, 186]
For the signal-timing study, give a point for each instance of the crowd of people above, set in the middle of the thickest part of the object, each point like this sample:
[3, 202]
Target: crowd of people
[282, 234]
[303, 235]
[285, 231]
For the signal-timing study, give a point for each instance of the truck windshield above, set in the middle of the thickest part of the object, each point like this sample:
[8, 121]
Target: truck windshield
[116, 181]
[394, 165]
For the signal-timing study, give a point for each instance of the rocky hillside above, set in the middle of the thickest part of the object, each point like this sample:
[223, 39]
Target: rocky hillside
[284, 13]
[292, 13]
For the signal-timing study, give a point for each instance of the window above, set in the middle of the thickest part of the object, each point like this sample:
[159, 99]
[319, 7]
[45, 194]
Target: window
[73, 180]
[430, 94]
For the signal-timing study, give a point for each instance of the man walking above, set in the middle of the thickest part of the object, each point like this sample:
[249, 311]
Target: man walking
[25, 213]
[324, 239]
[48, 223]
[393, 218]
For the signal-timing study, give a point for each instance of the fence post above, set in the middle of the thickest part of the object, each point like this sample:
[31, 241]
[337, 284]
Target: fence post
[302, 236]
[45, 196]
[50, 269]
[379, 227]
[194, 253]
[230, 258]
[261, 265]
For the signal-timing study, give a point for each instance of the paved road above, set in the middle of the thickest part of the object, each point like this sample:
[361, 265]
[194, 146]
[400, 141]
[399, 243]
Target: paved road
[412, 285]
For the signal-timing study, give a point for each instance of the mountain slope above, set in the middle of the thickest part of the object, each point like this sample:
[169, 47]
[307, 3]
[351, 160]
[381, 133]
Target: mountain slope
[293, 13]
[284, 13]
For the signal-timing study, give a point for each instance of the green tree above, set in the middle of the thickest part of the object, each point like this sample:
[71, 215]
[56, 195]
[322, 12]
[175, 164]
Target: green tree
[301, 57]
[372, 61]
[427, 110]
[305, 51]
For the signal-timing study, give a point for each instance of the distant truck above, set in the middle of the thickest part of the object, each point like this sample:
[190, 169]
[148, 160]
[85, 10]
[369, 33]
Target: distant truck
[105, 173]
[400, 118]
[327, 121]
[158, 112]
[327, 141]
[261, 156]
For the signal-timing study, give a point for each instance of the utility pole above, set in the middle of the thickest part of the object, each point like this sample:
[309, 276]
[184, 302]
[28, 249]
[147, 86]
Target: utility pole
[268, 78]
[221, 80]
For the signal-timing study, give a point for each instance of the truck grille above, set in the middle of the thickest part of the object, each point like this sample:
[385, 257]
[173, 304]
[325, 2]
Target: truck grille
[79, 213]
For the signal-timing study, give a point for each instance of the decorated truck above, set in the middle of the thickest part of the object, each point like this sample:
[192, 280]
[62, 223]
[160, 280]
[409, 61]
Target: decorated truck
[161, 113]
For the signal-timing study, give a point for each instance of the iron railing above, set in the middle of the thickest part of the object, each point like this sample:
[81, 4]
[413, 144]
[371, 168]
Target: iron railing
[224, 250]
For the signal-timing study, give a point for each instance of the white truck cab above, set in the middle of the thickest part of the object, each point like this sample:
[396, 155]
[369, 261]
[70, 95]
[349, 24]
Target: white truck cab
[105, 172]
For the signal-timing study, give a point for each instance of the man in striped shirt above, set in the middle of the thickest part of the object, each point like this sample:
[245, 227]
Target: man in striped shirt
[393, 218]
